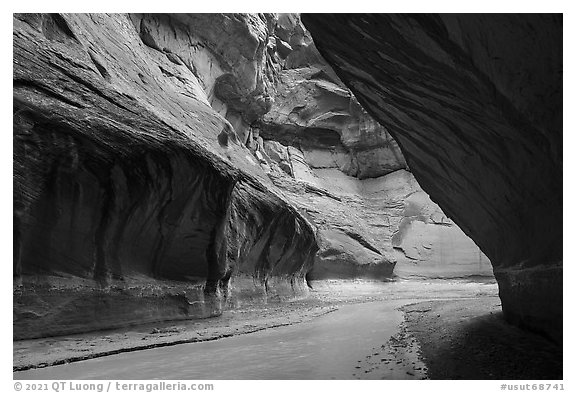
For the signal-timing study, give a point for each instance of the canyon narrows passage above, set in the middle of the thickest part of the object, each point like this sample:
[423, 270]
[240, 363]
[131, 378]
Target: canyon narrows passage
[184, 166]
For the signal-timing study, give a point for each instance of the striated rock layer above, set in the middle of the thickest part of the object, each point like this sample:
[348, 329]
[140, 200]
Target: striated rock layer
[133, 200]
[475, 103]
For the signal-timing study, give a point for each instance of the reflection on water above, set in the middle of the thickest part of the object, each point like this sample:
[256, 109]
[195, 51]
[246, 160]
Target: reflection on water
[328, 347]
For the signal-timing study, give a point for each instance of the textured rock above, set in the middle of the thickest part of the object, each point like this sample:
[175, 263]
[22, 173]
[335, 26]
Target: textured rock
[372, 228]
[318, 115]
[475, 103]
[130, 189]
[317, 133]
[166, 169]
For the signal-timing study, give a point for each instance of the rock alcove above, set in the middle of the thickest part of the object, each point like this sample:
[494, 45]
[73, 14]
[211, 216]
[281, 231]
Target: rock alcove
[165, 169]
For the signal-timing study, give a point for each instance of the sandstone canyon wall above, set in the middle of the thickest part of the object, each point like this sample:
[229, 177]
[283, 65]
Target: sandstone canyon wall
[370, 213]
[165, 169]
[133, 200]
[475, 103]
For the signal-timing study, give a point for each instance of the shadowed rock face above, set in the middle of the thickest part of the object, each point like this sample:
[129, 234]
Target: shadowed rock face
[133, 201]
[475, 103]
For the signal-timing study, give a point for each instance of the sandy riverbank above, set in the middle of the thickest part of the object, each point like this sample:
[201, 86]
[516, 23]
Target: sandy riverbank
[469, 339]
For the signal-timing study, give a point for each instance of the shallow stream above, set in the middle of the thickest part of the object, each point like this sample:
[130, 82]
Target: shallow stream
[345, 344]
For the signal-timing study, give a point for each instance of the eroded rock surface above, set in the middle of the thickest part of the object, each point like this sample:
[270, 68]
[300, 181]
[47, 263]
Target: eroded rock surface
[370, 212]
[129, 185]
[475, 103]
[166, 169]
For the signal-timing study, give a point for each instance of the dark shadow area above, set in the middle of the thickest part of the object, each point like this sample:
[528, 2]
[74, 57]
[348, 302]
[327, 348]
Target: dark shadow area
[469, 339]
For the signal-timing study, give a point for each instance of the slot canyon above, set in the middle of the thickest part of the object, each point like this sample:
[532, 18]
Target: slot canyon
[372, 196]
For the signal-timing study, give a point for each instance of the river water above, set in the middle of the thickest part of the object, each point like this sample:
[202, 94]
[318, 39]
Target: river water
[344, 344]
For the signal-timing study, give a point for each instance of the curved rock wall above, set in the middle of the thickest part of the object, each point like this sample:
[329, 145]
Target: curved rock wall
[322, 119]
[129, 186]
[475, 103]
[370, 212]
[165, 169]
